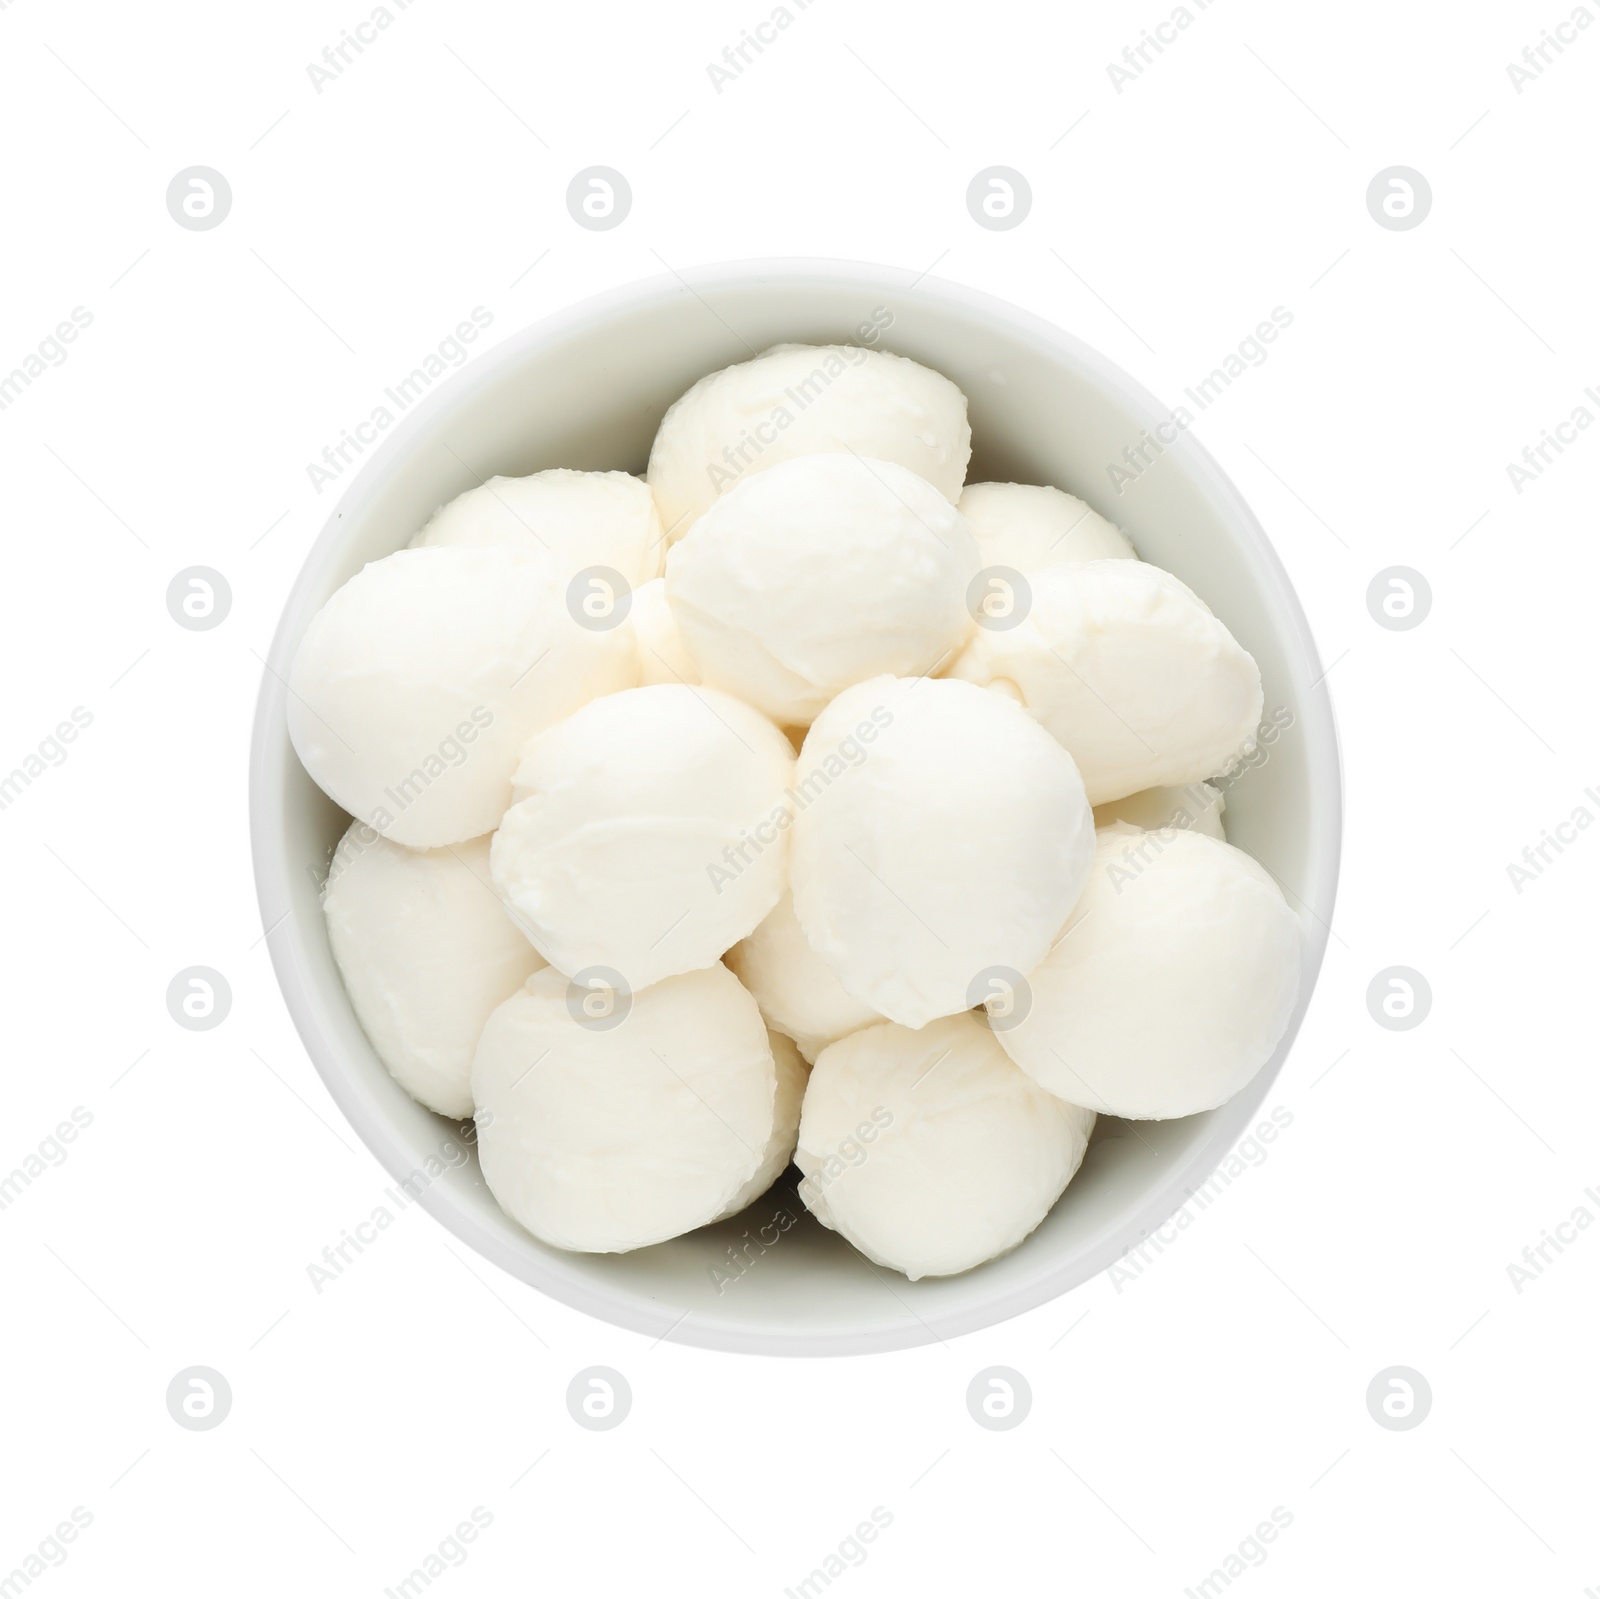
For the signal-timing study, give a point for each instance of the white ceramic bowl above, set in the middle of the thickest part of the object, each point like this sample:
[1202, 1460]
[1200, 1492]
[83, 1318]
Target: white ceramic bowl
[586, 389]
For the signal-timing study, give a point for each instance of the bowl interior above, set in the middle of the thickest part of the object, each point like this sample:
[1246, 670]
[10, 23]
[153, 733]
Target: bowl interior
[587, 390]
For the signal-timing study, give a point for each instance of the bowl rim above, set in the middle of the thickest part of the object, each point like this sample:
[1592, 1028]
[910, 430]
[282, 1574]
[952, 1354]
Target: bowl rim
[635, 1311]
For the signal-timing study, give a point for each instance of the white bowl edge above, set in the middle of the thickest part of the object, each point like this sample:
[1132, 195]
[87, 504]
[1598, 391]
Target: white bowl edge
[302, 962]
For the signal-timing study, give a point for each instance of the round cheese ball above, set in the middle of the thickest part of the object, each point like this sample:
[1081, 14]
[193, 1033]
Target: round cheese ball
[650, 833]
[792, 1078]
[426, 951]
[578, 519]
[601, 1134]
[1129, 670]
[803, 399]
[940, 840]
[818, 573]
[1196, 805]
[929, 1150]
[1027, 527]
[663, 657]
[416, 686]
[795, 988]
[1171, 984]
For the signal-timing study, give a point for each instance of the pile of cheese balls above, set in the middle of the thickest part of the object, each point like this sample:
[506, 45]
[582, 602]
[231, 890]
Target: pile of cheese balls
[797, 801]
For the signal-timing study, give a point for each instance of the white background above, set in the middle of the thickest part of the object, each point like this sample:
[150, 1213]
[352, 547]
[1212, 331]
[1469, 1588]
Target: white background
[1171, 1414]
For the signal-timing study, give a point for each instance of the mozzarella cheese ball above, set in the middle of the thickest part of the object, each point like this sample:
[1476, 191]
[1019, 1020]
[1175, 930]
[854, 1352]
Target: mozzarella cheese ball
[929, 1150]
[792, 1077]
[1196, 805]
[803, 399]
[818, 573]
[650, 833]
[1170, 985]
[1027, 528]
[426, 951]
[940, 834]
[1129, 670]
[662, 655]
[796, 990]
[578, 519]
[416, 686]
[612, 1137]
